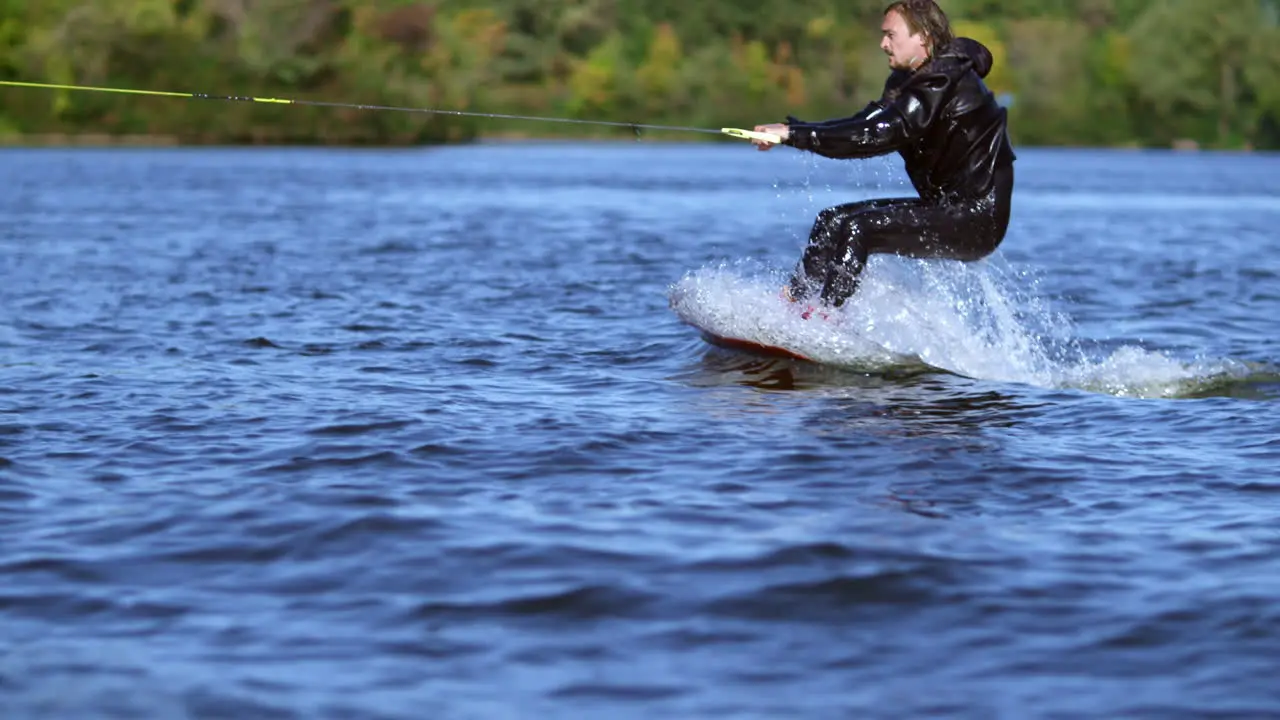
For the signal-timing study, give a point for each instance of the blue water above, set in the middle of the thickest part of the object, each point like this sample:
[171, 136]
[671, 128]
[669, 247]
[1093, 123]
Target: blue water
[420, 433]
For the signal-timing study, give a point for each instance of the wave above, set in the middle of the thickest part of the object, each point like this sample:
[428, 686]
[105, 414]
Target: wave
[979, 320]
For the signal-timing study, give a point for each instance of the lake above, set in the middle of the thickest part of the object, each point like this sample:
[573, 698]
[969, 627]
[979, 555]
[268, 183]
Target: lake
[420, 433]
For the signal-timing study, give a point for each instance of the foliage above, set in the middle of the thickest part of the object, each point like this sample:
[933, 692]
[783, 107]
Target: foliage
[1091, 72]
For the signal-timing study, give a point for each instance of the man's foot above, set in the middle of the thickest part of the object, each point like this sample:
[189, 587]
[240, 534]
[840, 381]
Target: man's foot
[808, 313]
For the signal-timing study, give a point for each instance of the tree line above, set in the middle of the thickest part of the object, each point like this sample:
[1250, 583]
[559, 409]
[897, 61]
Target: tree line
[1072, 72]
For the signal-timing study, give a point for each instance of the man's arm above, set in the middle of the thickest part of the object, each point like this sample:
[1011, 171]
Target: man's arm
[882, 127]
[877, 130]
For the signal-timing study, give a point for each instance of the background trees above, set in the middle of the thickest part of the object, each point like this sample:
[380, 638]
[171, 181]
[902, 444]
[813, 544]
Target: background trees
[1092, 72]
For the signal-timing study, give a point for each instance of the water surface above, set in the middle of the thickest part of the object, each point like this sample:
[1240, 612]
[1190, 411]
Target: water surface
[393, 434]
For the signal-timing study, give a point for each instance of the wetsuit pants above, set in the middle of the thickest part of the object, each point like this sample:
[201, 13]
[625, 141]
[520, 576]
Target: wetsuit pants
[845, 235]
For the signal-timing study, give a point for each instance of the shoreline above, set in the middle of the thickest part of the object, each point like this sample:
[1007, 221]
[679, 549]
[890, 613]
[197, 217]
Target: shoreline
[107, 140]
[99, 139]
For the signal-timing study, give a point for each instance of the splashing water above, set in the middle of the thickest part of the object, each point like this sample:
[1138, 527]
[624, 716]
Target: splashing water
[980, 320]
[744, 301]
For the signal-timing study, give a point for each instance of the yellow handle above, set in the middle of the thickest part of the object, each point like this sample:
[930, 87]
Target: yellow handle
[751, 135]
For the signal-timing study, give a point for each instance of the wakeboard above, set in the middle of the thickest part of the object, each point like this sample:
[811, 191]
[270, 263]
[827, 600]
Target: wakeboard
[760, 343]
[752, 346]
[738, 312]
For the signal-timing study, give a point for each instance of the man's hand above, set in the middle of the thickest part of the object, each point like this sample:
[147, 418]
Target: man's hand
[780, 129]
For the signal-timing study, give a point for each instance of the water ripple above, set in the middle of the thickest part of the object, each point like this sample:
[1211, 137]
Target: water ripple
[264, 412]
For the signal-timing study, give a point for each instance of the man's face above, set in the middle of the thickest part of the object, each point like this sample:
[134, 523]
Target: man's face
[905, 51]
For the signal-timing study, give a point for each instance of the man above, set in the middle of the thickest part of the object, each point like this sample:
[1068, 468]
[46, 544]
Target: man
[951, 133]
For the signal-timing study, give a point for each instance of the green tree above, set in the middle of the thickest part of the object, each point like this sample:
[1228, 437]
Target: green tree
[1047, 62]
[659, 77]
[1262, 80]
[1000, 79]
[1189, 59]
[596, 83]
[1079, 71]
[1110, 99]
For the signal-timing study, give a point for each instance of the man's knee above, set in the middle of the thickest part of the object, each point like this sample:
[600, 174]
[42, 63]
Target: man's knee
[828, 221]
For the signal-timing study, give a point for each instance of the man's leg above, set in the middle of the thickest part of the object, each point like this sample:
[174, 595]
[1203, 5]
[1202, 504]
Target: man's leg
[827, 244]
[844, 236]
[911, 229]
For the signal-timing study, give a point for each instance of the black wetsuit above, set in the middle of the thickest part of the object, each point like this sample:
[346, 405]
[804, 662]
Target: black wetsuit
[952, 135]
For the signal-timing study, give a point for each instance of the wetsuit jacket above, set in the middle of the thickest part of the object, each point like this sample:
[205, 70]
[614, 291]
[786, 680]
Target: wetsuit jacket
[942, 119]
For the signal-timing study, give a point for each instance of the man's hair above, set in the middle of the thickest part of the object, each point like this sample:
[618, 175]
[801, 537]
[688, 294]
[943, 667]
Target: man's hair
[924, 16]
